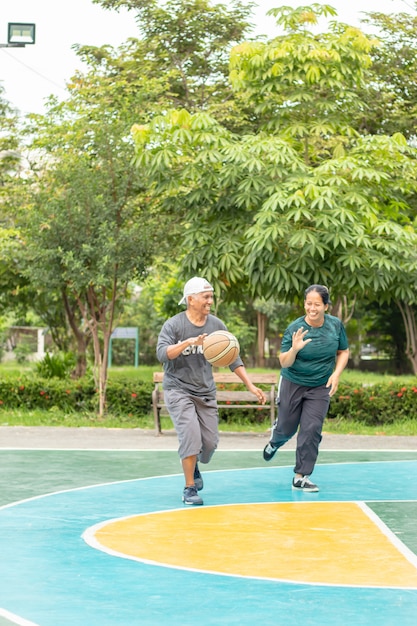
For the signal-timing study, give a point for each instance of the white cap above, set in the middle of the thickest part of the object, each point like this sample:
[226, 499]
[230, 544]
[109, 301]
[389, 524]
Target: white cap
[195, 285]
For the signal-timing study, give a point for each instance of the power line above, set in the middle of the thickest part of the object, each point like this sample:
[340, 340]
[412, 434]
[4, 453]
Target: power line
[408, 5]
[31, 69]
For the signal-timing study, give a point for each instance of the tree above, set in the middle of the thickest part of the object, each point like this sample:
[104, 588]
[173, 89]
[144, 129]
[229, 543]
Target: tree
[307, 200]
[187, 44]
[11, 282]
[91, 229]
[304, 86]
[391, 91]
[391, 96]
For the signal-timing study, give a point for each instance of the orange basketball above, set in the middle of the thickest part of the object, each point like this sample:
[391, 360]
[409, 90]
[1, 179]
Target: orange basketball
[221, 348]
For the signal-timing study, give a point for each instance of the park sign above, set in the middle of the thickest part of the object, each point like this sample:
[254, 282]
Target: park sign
[125, 332]
[129, 332]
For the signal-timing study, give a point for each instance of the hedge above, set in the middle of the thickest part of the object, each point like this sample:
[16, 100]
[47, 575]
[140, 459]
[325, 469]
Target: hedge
[372, 405]
[123, 398]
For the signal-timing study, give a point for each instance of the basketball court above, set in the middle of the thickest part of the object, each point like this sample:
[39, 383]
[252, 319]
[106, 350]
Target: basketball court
[93, 531]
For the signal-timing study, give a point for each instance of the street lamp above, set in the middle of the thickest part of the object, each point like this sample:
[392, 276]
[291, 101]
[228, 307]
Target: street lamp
[19, 35]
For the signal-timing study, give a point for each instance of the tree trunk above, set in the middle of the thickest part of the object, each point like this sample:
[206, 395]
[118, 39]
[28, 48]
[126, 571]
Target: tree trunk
[98, 314]
[261, 338]
[342, 309]
[410, 326]
[81, 362]
[81, 339]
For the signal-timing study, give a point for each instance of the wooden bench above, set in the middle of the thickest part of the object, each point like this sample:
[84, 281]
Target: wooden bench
[226, 398]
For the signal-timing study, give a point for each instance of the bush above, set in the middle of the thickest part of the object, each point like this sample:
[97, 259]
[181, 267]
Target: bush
[58, 365]
[23, 350]
[376, 404]
[372, 404]
[123, 398]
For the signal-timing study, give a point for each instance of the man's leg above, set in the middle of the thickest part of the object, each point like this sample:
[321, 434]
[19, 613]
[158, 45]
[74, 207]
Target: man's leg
[208, 418]
[182, 411]
[188, 466]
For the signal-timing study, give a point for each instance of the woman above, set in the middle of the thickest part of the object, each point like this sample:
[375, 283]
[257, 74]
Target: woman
[314, 353]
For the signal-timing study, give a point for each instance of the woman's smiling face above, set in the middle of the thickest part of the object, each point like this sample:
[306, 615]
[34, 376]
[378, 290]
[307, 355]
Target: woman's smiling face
[314, 308]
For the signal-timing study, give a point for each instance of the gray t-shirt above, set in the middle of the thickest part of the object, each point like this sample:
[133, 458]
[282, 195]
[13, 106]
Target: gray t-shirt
[190, 371]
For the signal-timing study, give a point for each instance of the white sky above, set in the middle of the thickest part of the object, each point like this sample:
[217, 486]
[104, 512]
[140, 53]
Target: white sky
[31, 74]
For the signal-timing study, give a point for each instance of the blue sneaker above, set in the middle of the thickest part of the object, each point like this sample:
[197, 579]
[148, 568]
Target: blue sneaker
[190, 496]
[198, 479]
[269, 451]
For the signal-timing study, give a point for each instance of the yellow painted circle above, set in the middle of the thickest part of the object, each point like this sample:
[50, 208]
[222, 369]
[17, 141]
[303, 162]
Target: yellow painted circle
[321, 543]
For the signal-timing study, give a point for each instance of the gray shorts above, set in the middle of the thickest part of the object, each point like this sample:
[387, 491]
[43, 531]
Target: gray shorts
[196, 421]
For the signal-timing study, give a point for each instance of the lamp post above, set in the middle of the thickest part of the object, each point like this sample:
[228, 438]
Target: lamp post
[19, 35]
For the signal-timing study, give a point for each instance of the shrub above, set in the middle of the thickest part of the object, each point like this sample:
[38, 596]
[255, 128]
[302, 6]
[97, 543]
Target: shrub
[58, 365]
[374, 404]
[23, 350]
[69, 395]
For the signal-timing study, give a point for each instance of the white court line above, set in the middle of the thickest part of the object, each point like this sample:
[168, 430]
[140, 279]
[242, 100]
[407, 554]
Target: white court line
[16, 619]
[401, 547]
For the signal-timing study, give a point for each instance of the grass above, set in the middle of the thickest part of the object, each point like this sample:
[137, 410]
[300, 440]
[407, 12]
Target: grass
[368, 378]
[78, 420]
[144, 373]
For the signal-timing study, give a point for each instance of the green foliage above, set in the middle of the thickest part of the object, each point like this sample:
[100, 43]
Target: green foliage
[130, 399]
[23, 350]
[374, 404]
[390, 91]
[309, 202]
[52, 394]
[342, 223]
[185, 44]
[37, 393]
[57, 365]
[303, 84]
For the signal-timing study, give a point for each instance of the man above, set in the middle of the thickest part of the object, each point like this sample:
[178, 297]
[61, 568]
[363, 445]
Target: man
[189, 387]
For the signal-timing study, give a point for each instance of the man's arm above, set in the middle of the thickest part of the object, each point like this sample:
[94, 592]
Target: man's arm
[244, 377]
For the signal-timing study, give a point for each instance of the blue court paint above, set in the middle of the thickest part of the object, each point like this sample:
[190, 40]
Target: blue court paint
[51, 577]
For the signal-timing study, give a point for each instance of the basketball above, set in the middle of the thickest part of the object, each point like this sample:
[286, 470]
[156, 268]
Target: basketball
[221, 348]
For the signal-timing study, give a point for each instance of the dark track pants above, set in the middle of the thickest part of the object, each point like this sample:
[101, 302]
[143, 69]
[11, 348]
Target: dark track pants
[303, 409]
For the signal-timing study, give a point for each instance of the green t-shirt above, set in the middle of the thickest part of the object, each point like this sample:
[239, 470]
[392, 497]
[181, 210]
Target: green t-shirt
[315, 363]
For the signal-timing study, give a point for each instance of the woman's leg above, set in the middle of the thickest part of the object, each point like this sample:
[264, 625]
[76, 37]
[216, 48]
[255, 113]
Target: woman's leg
[314, 409]
[290, 403]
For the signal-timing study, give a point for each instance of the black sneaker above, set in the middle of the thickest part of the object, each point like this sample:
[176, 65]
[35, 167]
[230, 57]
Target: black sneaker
[269, 451]
[198, 479]
[304, 484]
[190, 496]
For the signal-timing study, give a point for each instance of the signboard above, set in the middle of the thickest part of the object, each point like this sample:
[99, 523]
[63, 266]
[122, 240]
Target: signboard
[128, 332]
[125, 332]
